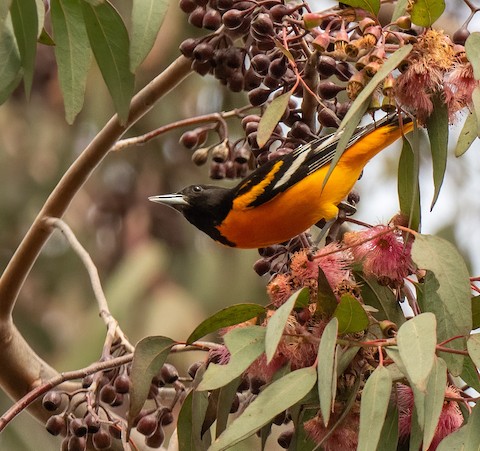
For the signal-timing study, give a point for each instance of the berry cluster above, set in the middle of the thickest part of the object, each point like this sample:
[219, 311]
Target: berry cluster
[85, 415]
[323, 60]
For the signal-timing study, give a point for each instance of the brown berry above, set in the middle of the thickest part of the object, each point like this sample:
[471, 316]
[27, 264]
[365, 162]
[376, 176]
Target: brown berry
[285, 438]
[169, 373]
[258, 96]
[148, 425]
[78, 427]
[212, 20]
[187, 6]
[108, 394]
[196, 17]
[156, 440]
[260, 63]
[261, 266]
[460, 36]
[55, 425]
[76, 443]
[51, 401]
[232, 19]
[263, 25]
[328, 118]
[101, 439]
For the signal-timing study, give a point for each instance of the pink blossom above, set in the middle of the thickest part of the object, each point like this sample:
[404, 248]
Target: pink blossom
[450, 418]
[383, 253]
[343, 438]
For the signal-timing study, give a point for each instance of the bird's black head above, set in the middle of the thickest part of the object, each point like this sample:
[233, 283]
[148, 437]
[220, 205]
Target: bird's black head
[204, 206]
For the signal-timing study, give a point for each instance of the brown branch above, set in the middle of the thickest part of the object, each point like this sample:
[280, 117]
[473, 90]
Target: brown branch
[19, 266]
[22, 369]
[114, 329]
[35, 394]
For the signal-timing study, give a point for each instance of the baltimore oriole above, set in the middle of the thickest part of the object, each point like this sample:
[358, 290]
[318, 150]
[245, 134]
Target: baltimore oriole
[285, 196]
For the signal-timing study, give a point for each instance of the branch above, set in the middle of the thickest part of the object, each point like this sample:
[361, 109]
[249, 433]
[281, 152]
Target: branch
[25, 256]
[111, 323]
[22, 369]
[32, 396]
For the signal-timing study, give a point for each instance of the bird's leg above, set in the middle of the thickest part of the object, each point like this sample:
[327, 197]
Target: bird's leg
[332, 227]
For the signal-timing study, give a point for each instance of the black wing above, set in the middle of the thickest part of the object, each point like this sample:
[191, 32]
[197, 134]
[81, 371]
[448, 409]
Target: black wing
[303, 161]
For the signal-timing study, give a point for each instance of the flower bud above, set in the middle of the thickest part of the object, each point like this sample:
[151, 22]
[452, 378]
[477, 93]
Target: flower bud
[221, 151]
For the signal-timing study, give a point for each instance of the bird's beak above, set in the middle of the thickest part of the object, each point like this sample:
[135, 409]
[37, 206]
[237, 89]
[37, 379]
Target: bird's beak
[176, 201]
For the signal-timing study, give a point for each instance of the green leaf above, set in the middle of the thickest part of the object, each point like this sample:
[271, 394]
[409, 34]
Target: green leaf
[46, 39]
[416, 435]
[147, 18]
[400, 9]
[475, 312]
[245, 344]
[476, 107]
[446, 292]
[10, 68]
[275, 398]
[470, 374]
[437, 127]
[199, 410]
[467, 135]
[72, 51]
[380, 297]
[373, 409]
[276, 323]
[185, 437]
[25, 24]
[472, 436]
[351, 315]
[228, 316]
[346, 356]
[40, 6]
[434, 399]
[472, 48]
[226, 396]
[110, 44]
[425, 12]
[416, 341]
[326, 299]
[389, 435]
[148, 358]
[408, 185]
[473, 347]
[326, 368]
[361, 103]
[372, 6]
[273, 113]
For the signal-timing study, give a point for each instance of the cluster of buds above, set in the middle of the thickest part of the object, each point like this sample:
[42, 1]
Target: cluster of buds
[324, 60]
[86, 415]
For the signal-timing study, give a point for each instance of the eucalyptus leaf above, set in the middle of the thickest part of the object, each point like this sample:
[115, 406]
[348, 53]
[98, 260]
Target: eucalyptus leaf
[476, 107]
[380, 297]
[271, 401]
[434, 399]
[437, 127]
[25, 26]
[425, 12]
[147, 18]
[148, 358]
[373, 409]
[408, 184]
[229, 316]
[472, 49]
[475, 312]
[72, 52]
[473, 347]
[110, 43]
[389, 435]
[270, 118]
[351, 315]
[467, 135]
[326, 299]
[245, 344]
[277, 322]
[417, 341]
[10, 69]
[326, 369]
[446, 292]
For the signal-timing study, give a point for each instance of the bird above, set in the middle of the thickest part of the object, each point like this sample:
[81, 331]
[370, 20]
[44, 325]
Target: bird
[285, 196]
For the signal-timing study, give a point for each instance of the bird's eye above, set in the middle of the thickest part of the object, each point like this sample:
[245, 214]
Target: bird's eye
[197, 189]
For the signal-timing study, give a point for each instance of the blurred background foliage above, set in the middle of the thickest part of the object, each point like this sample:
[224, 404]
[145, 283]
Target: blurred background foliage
[161, 276]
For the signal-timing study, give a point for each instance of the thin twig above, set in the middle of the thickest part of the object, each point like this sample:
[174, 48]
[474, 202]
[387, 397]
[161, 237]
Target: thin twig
[111, 323]
[33, 395]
